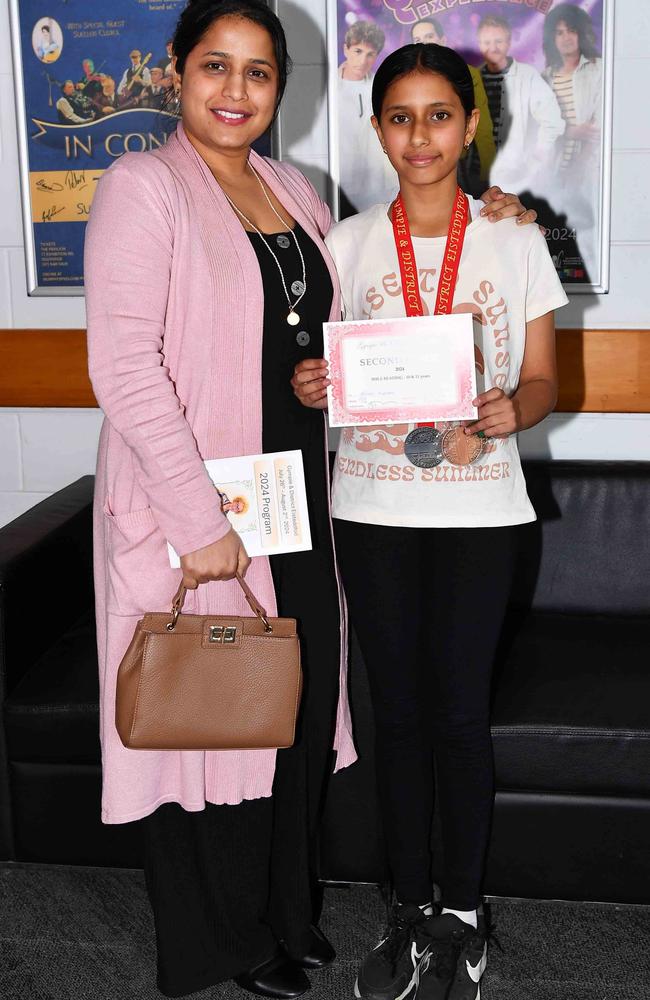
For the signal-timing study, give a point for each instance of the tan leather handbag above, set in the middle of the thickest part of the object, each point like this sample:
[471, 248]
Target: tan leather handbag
[209, 682]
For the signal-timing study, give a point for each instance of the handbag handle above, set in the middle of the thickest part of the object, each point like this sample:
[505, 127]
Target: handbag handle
[255, 606]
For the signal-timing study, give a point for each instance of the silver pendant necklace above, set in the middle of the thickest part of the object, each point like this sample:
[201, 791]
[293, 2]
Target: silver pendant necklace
[293, 317]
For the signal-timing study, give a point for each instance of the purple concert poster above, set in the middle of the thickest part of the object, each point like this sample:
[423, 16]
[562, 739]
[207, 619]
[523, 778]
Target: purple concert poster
[541, 71]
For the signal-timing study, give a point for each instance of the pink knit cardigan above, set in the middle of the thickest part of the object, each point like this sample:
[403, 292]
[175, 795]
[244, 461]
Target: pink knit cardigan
[175, 313]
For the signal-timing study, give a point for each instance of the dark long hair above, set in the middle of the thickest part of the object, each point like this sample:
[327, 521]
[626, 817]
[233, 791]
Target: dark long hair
[434, 58]
[577, 20]
[199, 15]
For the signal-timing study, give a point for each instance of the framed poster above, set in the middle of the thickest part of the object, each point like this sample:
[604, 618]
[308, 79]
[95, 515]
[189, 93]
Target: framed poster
[91, 82]
[90, 86]
[542, 71]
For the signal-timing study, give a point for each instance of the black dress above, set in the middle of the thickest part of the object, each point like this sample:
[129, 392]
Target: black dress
[228, 883]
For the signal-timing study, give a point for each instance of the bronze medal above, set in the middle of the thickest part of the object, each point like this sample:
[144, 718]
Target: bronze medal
[460, 448]
[423, 447]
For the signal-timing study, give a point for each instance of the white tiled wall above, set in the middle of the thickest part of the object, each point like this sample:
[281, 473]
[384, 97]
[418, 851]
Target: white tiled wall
[40, 450]
[304, 110]
[593, 436]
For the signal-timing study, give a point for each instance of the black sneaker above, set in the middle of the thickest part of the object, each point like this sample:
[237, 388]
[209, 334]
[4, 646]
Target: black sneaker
[392, 969]
[456, 961]
[470, 966]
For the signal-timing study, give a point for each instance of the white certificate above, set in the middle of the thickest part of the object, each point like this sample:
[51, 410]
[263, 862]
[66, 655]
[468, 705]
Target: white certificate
[265, 499]
[413, 370]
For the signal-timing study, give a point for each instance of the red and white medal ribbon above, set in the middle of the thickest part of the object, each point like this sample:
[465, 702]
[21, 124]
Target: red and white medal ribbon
[450, 261]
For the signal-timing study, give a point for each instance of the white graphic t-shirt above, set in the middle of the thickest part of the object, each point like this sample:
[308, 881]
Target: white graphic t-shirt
[506, 279]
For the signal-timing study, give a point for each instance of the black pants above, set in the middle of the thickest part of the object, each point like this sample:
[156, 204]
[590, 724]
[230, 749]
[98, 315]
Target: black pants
[427, 605]
[226, 884]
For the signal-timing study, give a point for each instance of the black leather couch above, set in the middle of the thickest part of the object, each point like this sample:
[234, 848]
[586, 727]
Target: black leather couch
[571, 707]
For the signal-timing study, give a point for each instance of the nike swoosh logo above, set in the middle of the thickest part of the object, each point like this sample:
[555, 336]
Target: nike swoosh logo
[417, 958]
[476, 971]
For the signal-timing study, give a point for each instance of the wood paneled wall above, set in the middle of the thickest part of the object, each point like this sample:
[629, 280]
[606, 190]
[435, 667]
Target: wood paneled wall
[600, 370]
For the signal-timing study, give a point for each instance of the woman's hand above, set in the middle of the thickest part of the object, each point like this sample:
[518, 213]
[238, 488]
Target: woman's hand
[497, 415]
[219, 561]
[310, 382]
[505, 206]
[587, 132]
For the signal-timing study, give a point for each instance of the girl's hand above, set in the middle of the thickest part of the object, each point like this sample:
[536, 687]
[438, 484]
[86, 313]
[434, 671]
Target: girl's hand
[497, 415]
[505, 206]
[310, 382]
[219, 561]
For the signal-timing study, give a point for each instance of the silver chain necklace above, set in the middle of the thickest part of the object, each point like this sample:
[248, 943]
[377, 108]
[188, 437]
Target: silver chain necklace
[293, 318]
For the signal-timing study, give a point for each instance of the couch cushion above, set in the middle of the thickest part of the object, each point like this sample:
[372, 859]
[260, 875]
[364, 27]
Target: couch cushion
[572, 705]
[53, 712]
[590, 550]
[546, 846]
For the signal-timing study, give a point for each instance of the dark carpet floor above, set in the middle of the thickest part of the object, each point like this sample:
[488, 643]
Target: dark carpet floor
[86, 934]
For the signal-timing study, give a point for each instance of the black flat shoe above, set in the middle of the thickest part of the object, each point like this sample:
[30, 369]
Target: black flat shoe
[319, 954]
[279, 977]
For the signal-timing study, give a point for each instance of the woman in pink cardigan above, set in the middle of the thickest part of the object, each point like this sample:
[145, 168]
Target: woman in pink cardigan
[191, 356]
[207, 281]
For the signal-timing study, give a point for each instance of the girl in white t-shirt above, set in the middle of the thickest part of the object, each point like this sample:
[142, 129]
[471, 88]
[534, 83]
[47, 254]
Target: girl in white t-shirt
[426, 536]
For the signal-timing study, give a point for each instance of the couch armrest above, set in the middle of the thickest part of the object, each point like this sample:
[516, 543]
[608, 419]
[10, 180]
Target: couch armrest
[46, 580]
[46, 583]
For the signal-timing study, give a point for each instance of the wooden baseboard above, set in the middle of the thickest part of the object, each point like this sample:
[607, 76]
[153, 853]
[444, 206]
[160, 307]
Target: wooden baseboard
[44, 368]
[604, 371]
[601, 371]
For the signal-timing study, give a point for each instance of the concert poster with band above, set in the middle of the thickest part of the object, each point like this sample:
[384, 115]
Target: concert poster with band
[92, 81]
[542, 79]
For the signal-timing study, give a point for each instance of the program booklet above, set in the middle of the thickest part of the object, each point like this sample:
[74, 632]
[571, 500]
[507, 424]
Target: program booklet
[265, 499]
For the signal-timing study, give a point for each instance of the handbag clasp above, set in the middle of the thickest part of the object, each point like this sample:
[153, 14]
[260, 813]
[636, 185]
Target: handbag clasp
[223, 634]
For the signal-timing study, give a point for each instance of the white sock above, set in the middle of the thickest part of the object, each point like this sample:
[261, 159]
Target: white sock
[427, 909]
[467, 916]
